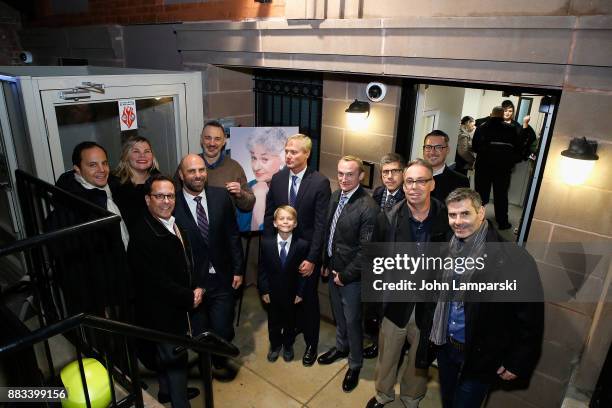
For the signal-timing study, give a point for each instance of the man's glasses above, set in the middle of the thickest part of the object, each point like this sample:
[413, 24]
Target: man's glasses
[161, 197]
[391, 171]
[437, 148]
[418, 182]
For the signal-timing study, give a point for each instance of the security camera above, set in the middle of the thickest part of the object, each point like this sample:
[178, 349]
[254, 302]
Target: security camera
[25, 57]
[376, 91]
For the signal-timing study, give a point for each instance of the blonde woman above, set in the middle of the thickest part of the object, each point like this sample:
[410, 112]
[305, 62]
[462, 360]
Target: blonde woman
[136, 165]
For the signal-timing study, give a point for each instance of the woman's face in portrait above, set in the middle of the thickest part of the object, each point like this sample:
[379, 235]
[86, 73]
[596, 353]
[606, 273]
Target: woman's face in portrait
[141, 156]
[264, 163]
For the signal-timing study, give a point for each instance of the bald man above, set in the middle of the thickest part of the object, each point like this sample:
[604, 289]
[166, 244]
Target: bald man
[207, 215]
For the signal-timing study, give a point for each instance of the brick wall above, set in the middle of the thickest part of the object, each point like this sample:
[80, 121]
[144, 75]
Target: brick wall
[10, 46]
[155, 11]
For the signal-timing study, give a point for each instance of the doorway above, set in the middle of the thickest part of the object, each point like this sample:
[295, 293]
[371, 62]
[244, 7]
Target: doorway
[445, 104]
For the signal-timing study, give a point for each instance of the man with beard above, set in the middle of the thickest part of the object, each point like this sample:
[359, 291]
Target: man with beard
[207, 215]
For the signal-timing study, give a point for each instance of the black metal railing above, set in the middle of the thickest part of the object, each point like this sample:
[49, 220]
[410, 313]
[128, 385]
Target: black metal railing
[109, 330]
[74, 253]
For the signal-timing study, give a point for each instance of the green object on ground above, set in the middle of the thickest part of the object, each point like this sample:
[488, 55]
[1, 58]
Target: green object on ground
[98, 385]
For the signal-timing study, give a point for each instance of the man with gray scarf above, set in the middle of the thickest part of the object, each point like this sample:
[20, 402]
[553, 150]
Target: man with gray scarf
[478, 343]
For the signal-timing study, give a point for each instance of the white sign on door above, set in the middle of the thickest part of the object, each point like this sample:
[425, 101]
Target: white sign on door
[128, 118]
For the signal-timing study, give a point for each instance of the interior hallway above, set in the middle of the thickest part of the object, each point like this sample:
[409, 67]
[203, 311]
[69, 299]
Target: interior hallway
[263, 384]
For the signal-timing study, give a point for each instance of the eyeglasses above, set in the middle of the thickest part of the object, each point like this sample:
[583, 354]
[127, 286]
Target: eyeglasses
[391, 172]
[161, 197]
[418, 182]
[437, 148]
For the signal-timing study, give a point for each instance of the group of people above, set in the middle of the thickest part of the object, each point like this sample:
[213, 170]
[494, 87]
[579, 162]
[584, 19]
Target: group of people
[185, 255]
[491, 146]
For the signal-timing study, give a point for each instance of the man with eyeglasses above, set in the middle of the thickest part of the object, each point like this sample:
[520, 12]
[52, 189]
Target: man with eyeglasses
[419, 218]
[435, 150]
[159, 254]
[386, 196]
[207, 215]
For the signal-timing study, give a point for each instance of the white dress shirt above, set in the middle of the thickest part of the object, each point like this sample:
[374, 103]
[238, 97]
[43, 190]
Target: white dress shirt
[279, 240]
[191, 203]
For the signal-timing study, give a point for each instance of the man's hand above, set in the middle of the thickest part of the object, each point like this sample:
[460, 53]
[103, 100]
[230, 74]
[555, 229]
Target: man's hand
[505, 374]
[233, 187]
[324, 272]
[306, 268]
[198, 294]
[266, 298]
[337, 280]
[297, 300]
[237, 281]
[526, 120]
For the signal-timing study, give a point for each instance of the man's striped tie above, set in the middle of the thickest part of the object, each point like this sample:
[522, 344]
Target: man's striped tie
[332, 230]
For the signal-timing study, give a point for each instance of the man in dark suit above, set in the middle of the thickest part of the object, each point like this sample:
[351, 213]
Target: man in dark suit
[391, 192]
[159, 257]
[435, 150]
[207, 215]
[350, 221]
[386, 196]
[306, 190]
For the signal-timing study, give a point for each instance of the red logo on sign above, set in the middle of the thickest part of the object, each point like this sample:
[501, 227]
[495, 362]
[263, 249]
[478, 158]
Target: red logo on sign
[128, 116]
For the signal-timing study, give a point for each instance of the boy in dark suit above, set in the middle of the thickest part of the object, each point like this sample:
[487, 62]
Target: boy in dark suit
[280, 284]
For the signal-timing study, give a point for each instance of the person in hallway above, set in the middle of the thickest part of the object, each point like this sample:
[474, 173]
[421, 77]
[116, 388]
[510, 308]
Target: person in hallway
[279, 282]
[524, 131]
[479, 344]
[136, 165]
[435, 150]
[420, 218]
[386, 196]
[308, 191]
[350, 222]
[267, 149]
[207, 216]
[497, 147]
[159, 256]
[465, 157]
[223, 171]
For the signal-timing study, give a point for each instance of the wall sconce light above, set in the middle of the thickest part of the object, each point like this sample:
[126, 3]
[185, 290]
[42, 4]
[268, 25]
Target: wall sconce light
[578, 160]
[357, 115]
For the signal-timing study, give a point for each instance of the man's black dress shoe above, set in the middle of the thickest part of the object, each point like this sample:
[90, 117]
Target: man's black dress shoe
[310, 356]
[350, 380]
[288, 354]
[332, 355]
[224, 373]
[373, 403]
[165, 398]
[273, 354]
[371, 351]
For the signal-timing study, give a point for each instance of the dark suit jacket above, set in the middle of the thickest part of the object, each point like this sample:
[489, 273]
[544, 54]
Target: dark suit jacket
[162, 270]
[353, 228]
[378, 193]
[447, 181]
[224, 248]
[311, 207]
[280, 282]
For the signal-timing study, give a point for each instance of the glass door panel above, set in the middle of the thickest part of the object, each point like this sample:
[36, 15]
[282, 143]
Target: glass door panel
[161, 119]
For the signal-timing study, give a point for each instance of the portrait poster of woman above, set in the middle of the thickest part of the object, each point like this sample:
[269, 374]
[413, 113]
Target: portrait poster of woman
[261, 153]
